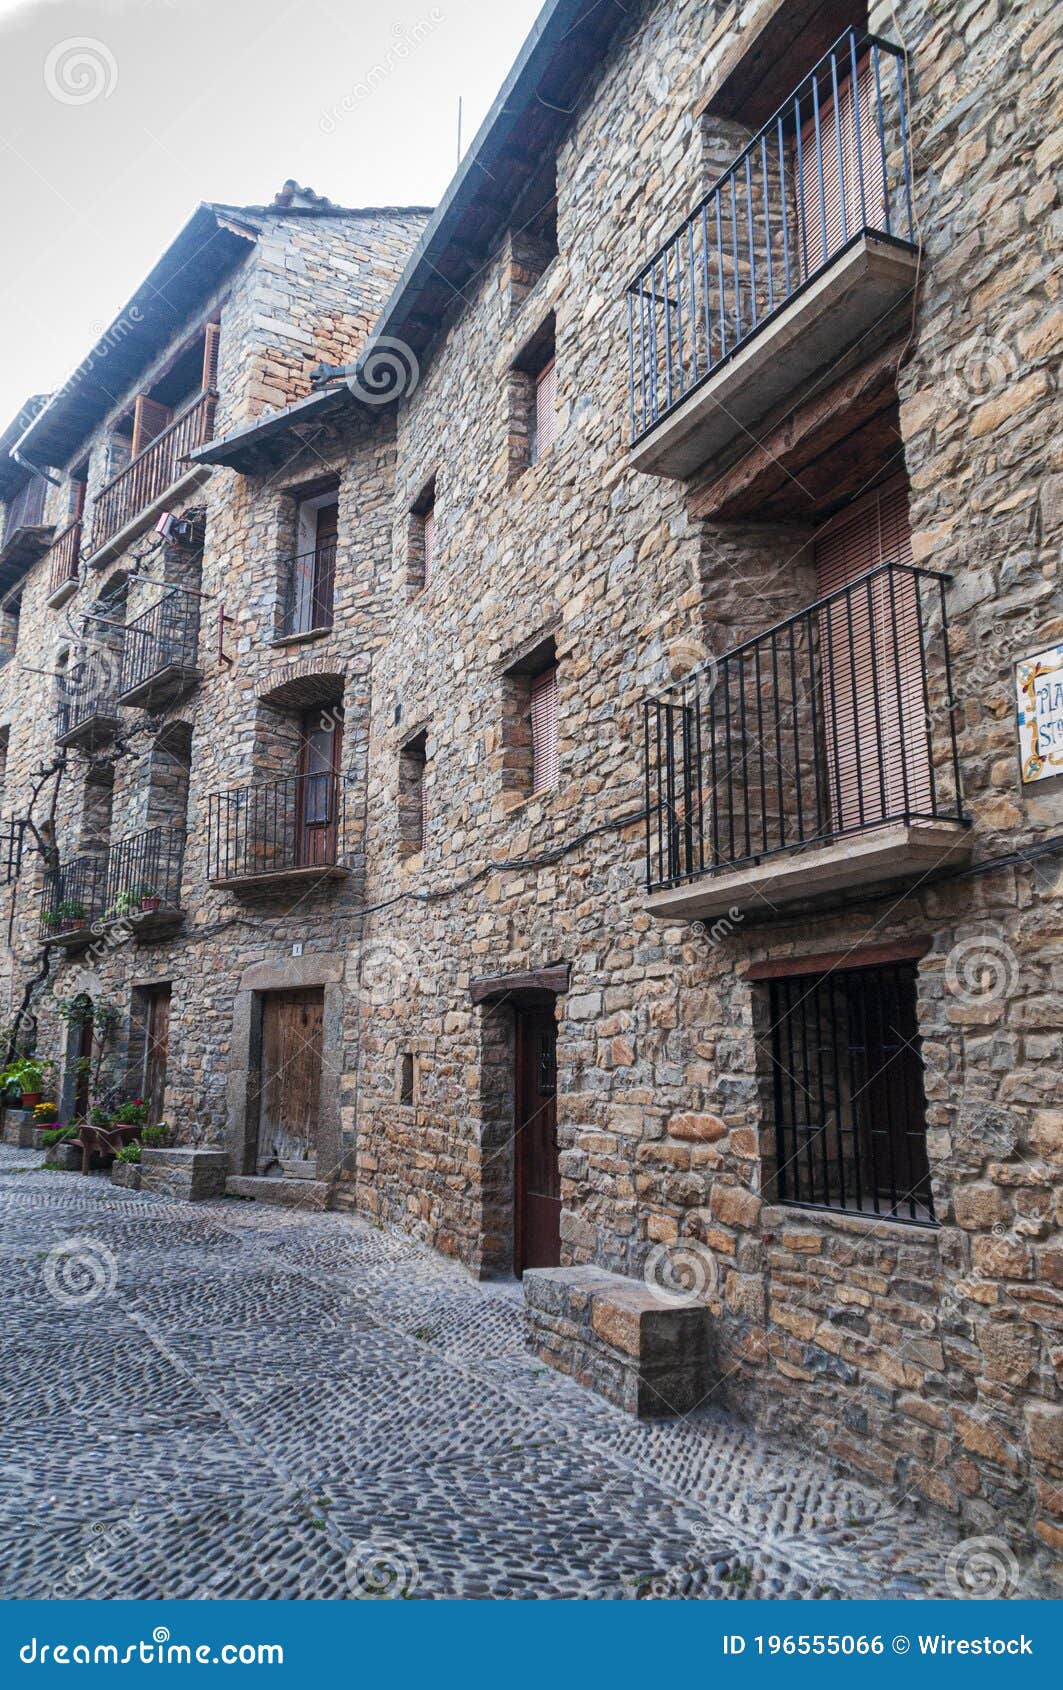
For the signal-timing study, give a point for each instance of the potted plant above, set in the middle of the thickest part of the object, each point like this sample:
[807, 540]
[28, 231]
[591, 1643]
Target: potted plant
[125, 1169]
[133, 1113]
[126, 903]
[27, 1075]
[149, 900]
[69, 915]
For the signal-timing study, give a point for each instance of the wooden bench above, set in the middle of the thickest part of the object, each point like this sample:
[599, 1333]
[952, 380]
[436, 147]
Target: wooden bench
[102, 1141]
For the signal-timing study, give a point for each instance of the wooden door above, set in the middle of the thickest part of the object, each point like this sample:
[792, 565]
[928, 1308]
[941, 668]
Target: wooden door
[317, 788]
[870, 643]
[538, 1176]
[83, 1080]
[156, 1048]
[290, 1086]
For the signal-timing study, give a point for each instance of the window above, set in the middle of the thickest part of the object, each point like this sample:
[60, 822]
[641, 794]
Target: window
[844, 1092]
[408, 1079]
[421, 547]
[413, 803]
[542, 427]
[308, 579]
[544, 730]
[533, 401]
[529, 720]
[10, 612]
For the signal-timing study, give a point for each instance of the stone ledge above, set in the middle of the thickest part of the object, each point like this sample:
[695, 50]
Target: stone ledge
[619, 1338]
[289, 1193]
[191, 1174]
[20, 1129]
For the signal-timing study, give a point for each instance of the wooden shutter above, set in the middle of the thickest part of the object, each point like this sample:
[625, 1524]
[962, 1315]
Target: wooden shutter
[211, 337]
[424, 803]
[544, 730]
[149, 420]
[545, 431]
[872, 215]
[327, 527]
[875, 738]
[429, 535]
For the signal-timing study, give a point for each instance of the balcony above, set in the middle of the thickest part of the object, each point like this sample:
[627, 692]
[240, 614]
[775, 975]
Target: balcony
[816, 759]
[160, 651]
[129, 502]
[64, 556]
[799, 250]
[288, 830]
[144, 880]
[309, 582]
[74, 900]
[86, 718]
[26, 534]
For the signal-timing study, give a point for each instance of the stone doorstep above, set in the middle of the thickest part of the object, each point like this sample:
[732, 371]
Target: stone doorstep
[290, 1193]
[192, 1174]
[616, 1336]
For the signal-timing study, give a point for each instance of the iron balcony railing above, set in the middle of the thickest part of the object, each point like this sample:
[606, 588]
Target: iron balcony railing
[64, 556]
[88, 705]
[152, 471]
[74, 896]
[275, 828]
[837, 720]
[308, 586]
[831, 165]
[144, 874]
[164, 637]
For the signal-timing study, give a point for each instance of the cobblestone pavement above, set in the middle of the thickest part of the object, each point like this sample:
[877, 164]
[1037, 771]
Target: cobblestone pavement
[258, 1402]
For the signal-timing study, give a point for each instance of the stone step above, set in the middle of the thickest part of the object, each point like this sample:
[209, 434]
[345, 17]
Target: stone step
[290, 1193]
[186, 1172]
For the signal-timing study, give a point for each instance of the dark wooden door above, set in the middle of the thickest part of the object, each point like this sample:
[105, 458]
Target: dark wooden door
[538, 1178]
[317, 795]
[291, 1078]
[156, 1047]
[83, 1080]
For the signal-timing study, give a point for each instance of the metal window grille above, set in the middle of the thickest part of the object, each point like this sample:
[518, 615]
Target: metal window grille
[848, 1107]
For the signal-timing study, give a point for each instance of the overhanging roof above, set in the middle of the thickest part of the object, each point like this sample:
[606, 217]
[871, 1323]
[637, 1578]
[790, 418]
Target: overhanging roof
[524, 125]
[13, 474]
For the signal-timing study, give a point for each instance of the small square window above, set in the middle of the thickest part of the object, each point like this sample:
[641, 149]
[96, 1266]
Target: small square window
[843, 1092]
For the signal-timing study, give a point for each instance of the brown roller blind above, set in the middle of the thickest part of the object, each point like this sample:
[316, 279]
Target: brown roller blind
[545, 424]
[834, 124]
[544, 730]
[429, 543]
[870, 648]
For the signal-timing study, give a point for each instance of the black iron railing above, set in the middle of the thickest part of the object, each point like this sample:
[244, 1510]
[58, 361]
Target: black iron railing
[308, 586]
[164, 637]
[831, 165]
[91, 704]
[74, 896]
[837, 720]
[275, 828]
[152, 471]
[144, 874]
[848, 1106]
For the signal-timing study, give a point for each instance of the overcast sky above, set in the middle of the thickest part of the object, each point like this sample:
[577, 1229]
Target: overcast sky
[118, 116]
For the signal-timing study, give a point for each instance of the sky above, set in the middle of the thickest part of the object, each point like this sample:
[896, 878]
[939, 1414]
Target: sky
[118, 116]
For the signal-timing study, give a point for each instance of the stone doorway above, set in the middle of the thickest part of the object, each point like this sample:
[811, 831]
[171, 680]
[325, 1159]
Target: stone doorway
[290, 1089]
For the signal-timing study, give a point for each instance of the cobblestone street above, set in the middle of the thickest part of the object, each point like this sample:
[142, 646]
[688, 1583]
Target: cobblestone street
[258, 1402]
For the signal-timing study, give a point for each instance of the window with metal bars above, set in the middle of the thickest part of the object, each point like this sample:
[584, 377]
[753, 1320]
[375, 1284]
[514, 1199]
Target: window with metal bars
[844, 1091]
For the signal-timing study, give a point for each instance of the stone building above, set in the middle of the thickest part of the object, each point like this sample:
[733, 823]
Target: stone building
[615, 720]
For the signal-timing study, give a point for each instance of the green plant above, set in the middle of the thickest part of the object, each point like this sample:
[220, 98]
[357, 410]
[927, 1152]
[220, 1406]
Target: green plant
[131, 1114]
[130, 1153]
[156, 1135]
[126, 903]
[98, 1117]
[70, 909]
[58, 1135]
[25, 1074]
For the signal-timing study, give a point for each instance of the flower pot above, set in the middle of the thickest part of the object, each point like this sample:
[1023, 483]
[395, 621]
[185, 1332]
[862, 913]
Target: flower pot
[30, 1099]
[150, 905]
